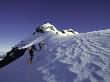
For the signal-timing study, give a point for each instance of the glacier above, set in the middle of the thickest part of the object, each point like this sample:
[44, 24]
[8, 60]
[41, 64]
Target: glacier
[83, 57]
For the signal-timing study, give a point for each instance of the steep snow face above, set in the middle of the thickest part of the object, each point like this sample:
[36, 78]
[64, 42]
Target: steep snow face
[34, 39]
[80, 58]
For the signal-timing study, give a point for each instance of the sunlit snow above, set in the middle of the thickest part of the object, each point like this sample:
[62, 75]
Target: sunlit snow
[83, 57]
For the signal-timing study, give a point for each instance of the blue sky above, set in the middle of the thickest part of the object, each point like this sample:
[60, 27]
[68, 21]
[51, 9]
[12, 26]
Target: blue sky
[19, 18]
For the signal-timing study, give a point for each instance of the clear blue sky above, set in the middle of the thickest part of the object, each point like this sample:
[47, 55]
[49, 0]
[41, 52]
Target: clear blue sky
[18, 18]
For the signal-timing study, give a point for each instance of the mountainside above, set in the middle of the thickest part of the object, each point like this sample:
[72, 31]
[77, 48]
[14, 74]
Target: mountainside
[83, 57]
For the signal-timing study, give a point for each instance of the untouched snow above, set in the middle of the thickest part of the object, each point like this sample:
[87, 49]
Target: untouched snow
[84, 57]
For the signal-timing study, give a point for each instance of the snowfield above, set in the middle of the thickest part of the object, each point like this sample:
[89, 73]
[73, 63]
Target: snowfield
[83, 57]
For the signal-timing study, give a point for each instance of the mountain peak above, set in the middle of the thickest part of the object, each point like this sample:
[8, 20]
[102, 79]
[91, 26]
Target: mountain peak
[50, 27]
[47, 25]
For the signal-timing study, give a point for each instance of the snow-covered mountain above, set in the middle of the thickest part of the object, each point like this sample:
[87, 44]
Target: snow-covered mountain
[83, 57]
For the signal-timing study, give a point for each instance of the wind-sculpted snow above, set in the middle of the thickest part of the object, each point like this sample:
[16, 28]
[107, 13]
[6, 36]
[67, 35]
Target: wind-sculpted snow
[80, 58]
[88, 56]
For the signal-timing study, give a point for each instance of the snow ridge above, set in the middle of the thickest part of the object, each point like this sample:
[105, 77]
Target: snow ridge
[84, 57]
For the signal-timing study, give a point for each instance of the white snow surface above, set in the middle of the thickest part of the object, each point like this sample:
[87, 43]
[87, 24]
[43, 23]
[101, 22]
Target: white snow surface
[48, 25]
[84, 57]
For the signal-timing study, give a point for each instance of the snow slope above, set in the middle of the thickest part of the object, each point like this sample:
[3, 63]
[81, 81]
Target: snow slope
[84, 57]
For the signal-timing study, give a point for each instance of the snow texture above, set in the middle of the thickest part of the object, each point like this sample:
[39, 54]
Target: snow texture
[84, 57]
